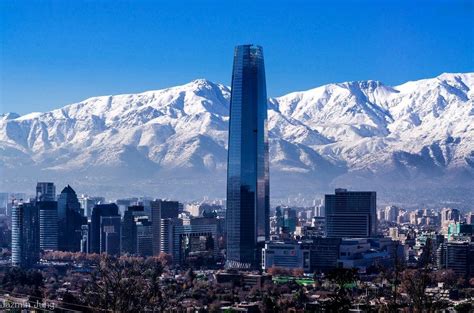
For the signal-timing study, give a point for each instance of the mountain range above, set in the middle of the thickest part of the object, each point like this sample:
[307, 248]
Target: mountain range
[412, 143]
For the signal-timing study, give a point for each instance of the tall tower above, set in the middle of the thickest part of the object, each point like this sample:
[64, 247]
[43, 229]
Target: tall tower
[70, 220]
[248, 203]
[25, 235]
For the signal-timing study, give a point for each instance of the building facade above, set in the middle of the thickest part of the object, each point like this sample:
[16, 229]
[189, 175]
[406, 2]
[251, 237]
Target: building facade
[25, 235]
[71, 219]
[351, 214]
[45, 191]
[286, 255]
[110, 236]
[48, 224]
[129, 228]
[248, 206]
[95, 231]
[156, 225]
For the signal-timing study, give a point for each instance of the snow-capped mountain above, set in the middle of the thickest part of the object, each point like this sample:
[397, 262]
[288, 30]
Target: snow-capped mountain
[410, 139]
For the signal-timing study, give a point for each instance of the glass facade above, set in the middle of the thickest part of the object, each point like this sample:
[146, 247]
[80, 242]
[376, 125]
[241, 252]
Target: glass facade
[25, 235]
[351, 214]
[70, 219]
[48, 224]
[248, 166]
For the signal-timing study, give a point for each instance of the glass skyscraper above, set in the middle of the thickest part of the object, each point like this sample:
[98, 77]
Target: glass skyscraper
[25, 235]
[248, 166]
[70, 219]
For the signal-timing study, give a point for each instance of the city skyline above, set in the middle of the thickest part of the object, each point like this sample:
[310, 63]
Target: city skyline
[354, 196]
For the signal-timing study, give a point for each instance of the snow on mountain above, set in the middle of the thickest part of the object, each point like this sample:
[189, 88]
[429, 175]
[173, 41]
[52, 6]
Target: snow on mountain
[361, 134]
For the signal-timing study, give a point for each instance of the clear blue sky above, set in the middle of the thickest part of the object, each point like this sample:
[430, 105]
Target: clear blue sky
[58, 52]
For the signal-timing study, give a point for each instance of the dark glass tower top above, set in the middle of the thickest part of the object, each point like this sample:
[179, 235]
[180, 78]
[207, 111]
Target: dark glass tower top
[247, 170]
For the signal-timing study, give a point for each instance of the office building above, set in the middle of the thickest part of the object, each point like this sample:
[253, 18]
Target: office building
[391, 213]
[324, 253]
[144, 236]
[166, 234]
[4, 203]
[248, 206]
[351, 214]
[25, 235]
[71, 218]
[96, 245]
[457, 256]
[156, 225]
[129, 228]
[169, 209]
[87, 204]
[85, 239]
[449, 215]
[286, 255]
[45, 191]
[194, 241]
[289, 219]
[48, 224]
[110, 234]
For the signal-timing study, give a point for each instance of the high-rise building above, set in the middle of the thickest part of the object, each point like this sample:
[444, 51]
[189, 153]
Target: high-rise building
[4, 197]
[470, 218]
[45, 191]
[391, 213]
[85, 239]
[194, 240]
[169, 209]
[87, 204]
[457, 256]
[110, 234]
[449, 215]
[95, 231]
[144, 236]
[351, 214]
[25, 235]
[248, 205]
[156, 225]
[129, 228]
[71, 219]
[166, 234]
[48, 224]
[289, 219]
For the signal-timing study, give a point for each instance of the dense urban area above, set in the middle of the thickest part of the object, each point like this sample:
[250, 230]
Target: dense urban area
[84, 253]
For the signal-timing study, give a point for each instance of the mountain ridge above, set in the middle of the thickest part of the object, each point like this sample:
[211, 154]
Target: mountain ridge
[346, 133]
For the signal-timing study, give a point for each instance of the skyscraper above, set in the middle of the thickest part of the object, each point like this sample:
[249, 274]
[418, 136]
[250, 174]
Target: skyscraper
[156, 225]
[248, 207]
[45, 191]
[71, 220]
[96, 245]
[129, 228]
[48, 224]
[110, 233]
[25, 235]
[351, 214]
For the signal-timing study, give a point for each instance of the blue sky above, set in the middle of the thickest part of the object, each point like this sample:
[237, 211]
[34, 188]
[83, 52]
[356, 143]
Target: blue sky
[58, 52]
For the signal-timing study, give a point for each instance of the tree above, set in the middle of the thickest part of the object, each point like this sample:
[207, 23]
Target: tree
[165, 259]
[414, 283]
[124, 284]
[342, 277]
